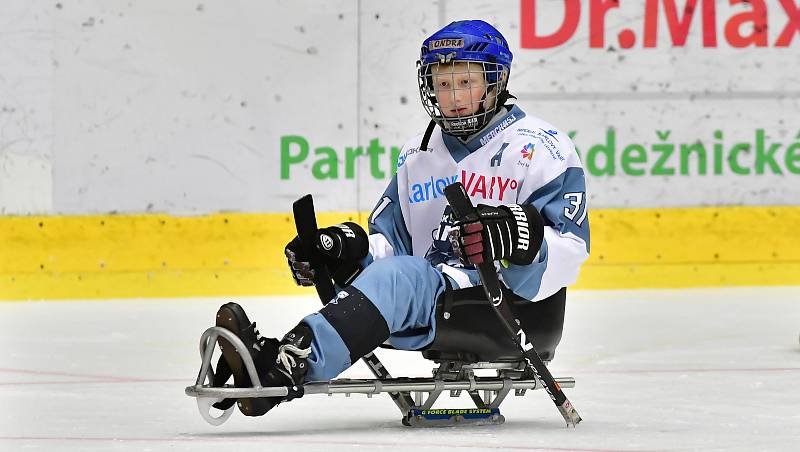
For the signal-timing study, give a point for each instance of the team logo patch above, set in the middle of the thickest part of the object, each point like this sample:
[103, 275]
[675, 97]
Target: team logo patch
[527, 151]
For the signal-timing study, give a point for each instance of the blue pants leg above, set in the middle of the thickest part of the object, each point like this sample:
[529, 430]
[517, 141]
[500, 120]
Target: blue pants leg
[400, 291]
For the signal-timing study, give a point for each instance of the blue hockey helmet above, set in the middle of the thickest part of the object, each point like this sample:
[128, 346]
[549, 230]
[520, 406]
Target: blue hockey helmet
[486, 51]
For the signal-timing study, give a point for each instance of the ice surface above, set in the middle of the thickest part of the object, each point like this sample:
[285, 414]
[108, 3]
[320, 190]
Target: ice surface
[704, 369]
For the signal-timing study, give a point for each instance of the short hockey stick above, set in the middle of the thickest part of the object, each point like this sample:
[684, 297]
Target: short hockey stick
[305, 221]
[465, 212]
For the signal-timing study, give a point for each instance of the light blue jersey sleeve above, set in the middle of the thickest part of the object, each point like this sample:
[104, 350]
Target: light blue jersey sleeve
[562, 203]
[388, 235]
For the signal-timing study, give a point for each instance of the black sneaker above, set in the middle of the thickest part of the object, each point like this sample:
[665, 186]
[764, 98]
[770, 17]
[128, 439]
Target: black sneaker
[264, 352]
[291, 363]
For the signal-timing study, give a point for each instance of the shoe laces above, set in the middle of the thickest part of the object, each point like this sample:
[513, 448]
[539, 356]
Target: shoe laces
[288, 359]
[259, 340]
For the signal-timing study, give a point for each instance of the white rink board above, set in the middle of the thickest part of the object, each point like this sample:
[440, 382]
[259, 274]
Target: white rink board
[669, 369]
[181, 107]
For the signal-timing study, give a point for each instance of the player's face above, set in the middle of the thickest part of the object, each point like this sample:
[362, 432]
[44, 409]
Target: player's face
[459, 88]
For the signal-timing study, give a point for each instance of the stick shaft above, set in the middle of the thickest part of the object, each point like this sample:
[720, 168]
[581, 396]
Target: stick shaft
[464, 211]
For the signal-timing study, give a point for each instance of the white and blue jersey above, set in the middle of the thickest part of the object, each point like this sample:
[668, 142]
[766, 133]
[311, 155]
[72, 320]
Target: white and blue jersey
[518, 159]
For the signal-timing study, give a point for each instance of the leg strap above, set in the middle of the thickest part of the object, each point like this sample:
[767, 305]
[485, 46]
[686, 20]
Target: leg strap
[358, 322]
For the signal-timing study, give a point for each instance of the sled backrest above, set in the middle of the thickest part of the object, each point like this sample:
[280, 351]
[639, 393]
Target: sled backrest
[468, 330]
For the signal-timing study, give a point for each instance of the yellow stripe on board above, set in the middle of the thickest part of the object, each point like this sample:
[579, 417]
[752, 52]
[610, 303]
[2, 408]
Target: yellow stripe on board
[116, 256]
[693, 247]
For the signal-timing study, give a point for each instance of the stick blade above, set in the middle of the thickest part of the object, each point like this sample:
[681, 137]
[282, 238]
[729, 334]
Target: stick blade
[305, 222]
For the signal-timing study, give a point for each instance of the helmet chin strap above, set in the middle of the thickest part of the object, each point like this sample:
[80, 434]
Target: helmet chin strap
[423, 146]
[503, 97]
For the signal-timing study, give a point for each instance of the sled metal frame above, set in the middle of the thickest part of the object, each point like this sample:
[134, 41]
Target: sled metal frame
[452, 376]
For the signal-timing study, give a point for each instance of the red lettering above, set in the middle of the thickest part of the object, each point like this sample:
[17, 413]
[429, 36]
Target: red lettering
[597, 21]
[467, 183]
[480, 186]
[709, 23]
[650, 23]
[529, 38]
[747, 28]
[792, 26]
[503, 187]
[678, 27]
[477, 184]
[757, 15]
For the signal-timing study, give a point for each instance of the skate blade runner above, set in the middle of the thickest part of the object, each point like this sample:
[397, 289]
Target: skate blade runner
[476, 289]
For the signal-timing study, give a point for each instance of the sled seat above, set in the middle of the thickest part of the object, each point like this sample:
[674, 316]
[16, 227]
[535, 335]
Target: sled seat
[469, 331]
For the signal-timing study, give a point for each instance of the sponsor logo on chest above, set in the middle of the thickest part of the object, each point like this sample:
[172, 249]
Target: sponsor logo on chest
[548, 139]
[477, 185]
[432, 188]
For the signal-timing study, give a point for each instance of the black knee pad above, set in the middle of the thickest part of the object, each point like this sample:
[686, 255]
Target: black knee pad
[358, 322]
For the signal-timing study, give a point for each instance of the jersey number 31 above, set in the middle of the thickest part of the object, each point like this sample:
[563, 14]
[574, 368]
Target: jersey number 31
[576, 204]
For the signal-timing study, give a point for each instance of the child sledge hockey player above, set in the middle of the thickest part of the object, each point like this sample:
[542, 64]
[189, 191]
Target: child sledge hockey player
[528, 184]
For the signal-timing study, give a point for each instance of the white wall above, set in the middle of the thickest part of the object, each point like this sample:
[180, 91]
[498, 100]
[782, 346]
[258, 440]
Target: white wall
[26, 118]
[181, 106]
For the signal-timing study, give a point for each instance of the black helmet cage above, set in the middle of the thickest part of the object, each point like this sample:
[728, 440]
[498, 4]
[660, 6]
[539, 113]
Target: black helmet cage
[496, 78]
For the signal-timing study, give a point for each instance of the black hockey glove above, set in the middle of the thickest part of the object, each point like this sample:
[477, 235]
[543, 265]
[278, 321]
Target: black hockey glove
[511, 232]
[340, 247]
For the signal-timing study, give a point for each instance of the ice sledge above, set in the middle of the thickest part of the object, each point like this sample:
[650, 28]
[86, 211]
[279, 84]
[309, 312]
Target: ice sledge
[469, 337]
[414, 396]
